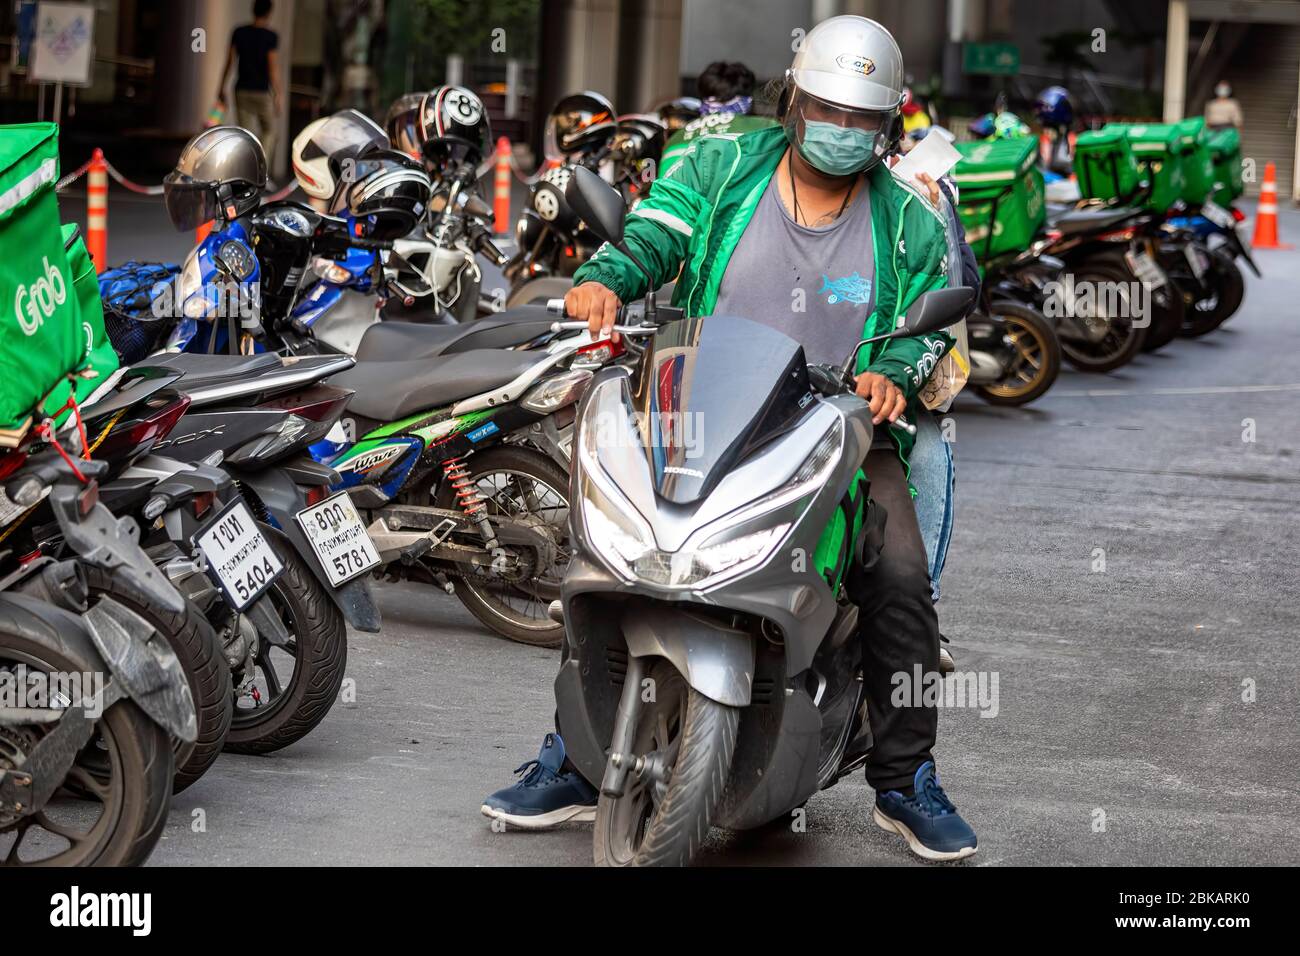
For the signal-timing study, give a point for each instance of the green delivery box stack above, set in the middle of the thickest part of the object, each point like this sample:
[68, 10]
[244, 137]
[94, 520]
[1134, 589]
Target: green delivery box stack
[1198, 165]
[1000, 195]
[1158, 149]
[1225, 153]
[1104, 164]
[43, 334]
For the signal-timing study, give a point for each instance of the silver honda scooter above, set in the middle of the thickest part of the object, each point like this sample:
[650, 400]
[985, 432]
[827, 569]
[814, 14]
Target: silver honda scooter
[712, 665]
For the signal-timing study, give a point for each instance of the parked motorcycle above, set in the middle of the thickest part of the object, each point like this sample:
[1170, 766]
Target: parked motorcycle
[112, 742]
[459, 460]
[124, 427]
[297, 554]
[679, 578]
[1015, 354]
[1208, 276]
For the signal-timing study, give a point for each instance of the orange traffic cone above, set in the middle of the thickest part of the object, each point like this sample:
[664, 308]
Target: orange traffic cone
[501, 199]
[97, 211]
[1266, 214]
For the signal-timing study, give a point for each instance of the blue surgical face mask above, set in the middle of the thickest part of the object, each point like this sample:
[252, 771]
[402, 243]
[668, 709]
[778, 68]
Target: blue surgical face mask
[836, 150]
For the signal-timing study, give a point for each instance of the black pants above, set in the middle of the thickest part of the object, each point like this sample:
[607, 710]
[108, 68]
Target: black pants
[899, 629]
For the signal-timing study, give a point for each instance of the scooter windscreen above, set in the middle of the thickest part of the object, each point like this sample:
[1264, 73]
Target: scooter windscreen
[709, 392]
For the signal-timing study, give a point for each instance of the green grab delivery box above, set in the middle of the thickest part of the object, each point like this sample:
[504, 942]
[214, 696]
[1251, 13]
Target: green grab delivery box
[1104, 164]
[1157, 148]
[1225, 153]
[43, 334]
[100, 359]
[1000, 195]
[1198, 164]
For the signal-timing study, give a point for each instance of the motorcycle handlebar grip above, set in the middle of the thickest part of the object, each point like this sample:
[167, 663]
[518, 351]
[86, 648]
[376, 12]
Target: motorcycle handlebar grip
[555, 306]
[905, 425]
[484, 245]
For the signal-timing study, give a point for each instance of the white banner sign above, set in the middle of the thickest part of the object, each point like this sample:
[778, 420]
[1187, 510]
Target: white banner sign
[64, 47]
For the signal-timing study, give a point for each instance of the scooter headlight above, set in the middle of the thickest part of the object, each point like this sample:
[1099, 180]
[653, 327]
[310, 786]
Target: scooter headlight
[621, 540]
[697, 567]
[626, 542]
[195, 302]
[627, 545]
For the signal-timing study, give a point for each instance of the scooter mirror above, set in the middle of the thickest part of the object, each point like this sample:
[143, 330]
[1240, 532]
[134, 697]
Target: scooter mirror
[597, 203]
[937, 309]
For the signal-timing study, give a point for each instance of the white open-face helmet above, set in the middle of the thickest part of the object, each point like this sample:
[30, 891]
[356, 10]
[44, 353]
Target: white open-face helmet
[324, 149]
[847, 72]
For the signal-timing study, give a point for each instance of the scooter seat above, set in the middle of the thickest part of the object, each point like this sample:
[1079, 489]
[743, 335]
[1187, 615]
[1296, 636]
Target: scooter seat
[400, 341]
[1078, 221]
[203, 371]
[386, 391]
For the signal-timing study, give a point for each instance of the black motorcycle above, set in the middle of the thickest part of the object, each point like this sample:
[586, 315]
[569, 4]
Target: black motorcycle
[280, 610]
[94, 695]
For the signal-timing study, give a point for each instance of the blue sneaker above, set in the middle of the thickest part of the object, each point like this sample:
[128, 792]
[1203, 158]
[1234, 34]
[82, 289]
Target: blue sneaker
[544, 797]
[927, 820]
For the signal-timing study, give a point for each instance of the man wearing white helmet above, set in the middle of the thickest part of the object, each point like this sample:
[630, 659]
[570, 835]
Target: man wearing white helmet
[807, 213]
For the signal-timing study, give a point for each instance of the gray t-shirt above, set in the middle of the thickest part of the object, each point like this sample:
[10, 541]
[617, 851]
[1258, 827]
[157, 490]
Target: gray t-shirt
[780, 267]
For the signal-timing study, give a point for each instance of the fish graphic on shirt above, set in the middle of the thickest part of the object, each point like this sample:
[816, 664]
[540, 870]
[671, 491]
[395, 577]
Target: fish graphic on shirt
[852, 288]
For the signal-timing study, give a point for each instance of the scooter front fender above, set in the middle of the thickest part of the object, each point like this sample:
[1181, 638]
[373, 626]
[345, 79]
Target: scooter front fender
[716, 660]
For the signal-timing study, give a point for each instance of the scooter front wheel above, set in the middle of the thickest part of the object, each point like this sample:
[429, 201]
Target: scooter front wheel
[685, 743]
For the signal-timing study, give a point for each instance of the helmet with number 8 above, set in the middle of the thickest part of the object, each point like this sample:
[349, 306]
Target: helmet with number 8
[454, 126]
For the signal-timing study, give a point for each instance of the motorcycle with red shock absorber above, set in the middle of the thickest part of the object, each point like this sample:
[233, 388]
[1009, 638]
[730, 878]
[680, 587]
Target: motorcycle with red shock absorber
[458, 461]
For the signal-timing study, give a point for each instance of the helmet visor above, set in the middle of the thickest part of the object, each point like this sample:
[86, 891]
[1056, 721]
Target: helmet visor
[189, 203]
[837, 140]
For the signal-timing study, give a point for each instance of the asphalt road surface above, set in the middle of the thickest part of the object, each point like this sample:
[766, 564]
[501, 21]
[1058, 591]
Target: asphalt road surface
[1148, 713]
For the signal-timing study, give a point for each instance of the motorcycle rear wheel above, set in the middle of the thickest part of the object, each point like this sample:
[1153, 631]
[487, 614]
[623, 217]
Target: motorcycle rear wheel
[133, 783]
[319, 648]
[1168, 311]
[1038, 358]
[1206, 315]
[1122, 340]
[491, 601]
[195, 644]
[658, 824]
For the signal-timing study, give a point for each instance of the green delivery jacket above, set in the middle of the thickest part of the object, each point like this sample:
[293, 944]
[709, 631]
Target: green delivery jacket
[693, 216]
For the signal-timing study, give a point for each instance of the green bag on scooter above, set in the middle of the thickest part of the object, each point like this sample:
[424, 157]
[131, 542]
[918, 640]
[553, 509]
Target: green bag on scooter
[1225, 151]
[43, 334]
[1198, 164]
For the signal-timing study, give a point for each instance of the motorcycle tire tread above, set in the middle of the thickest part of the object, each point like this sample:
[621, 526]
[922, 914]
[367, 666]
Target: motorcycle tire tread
[148, 764]
[322, 636]
[695, 790]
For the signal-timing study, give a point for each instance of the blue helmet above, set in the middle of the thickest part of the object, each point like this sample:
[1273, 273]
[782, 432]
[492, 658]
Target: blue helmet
[1054, 108]
[982, 126]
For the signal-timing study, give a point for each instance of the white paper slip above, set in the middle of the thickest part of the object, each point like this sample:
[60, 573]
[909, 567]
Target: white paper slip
[933, 155]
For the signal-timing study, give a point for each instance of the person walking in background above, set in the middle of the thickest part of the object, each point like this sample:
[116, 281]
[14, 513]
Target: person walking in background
[1223, 110]
[257, 84]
